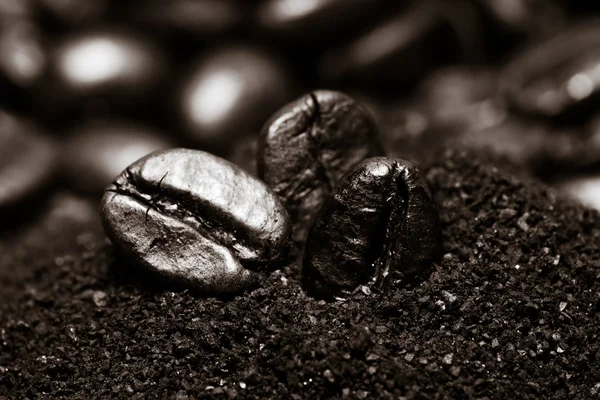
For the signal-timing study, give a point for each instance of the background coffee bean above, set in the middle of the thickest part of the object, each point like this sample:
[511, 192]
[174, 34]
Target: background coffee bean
[559, 76]
[314, 22]
[195, 218]
[379, 225]
[28, 162]
[109, 69]
[99, 151]
[229, 94]
[308, 145]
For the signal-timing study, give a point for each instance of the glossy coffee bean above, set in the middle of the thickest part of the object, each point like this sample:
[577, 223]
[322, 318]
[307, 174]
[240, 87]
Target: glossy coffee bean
[379, 225]
[28, 162]
[229, 94]
[109, 67]
[99, 151]
[584, 188]
[197, 219]
[308, 145]
[559, 75]
[314, 21]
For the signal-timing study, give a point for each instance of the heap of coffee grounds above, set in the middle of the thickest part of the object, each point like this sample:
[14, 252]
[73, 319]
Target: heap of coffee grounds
[512, 311]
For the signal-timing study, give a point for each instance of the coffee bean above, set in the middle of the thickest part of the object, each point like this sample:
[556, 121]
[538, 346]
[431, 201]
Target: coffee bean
[520, 140]
[584, 188]
[315, 22]
[229, 94]
[559, 76]
[379, 225]
[461, 98]
[106, 69]
[99, 151]
[308, 145]
[196, 218]
[28, 162]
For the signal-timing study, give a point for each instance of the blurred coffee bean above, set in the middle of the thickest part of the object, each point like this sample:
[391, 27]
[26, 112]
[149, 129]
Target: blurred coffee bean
[394, 53]
[575, 148]
[22, 55]
[308, 145]
[196, 18]
[558, 77]
[243, 153]
[519, 140]
[461, 98]
[28, 162]
[72, 12]
[380, 225]
[229, 94]
[10, 9]
[584, 188]
[196, 218]
[97, 152]
[105, 68]
[315, 21]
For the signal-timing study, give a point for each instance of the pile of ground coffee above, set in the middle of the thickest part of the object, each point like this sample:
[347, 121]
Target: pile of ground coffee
[511, 312]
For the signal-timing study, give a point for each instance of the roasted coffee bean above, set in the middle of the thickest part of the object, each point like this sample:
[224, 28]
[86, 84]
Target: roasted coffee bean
[229, 94]
[196, 218]
[28, 162]
[582, 187]
[519, 140]
[379, 225]
[315, 21]
[308, 145]
[558, 76]
[107, 68]
[99, 151]
[461, 98]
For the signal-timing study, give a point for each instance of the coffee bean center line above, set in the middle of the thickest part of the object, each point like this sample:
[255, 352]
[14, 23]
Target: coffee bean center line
[315, 120]
[189, 212]
[397, 204]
